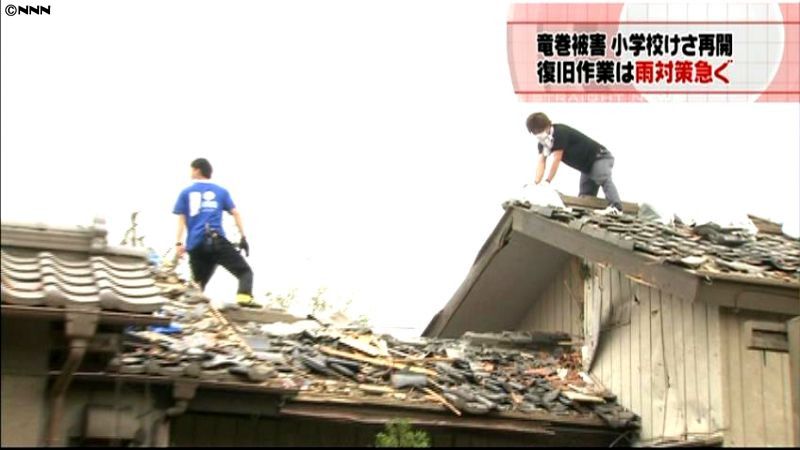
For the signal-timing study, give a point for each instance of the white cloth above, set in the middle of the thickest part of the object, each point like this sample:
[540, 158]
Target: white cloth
[541, 194]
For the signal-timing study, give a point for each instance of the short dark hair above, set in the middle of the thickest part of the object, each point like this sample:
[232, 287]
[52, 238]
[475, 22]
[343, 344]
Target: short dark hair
[204, 166]
[538, 122]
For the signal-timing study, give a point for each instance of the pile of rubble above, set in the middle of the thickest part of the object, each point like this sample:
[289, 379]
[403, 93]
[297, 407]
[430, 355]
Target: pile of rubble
[477, 374]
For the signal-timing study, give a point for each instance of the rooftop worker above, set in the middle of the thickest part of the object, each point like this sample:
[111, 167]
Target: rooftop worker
[578, 151]
[199, 209]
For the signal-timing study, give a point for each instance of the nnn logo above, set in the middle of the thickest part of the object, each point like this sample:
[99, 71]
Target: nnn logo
[13, 10]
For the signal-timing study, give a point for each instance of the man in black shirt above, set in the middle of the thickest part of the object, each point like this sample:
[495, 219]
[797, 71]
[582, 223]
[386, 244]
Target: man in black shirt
[578, 151]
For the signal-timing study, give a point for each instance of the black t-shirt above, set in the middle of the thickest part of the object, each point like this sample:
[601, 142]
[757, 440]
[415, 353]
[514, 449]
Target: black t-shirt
[580, 151]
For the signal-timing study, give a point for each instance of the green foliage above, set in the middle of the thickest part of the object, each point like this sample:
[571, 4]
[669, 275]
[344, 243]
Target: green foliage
[362, 321]
[398, 433]
[282, 301]
[319, 304]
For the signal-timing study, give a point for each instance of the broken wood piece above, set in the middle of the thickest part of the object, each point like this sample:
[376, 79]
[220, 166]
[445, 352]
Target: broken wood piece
[422, 360]
[442, 400]
[234, 335]
[360, 345]
[578, 397]
[375, 361]
[376, 389]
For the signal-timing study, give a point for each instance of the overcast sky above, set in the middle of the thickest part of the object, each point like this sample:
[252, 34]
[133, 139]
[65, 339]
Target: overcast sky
[368, 145]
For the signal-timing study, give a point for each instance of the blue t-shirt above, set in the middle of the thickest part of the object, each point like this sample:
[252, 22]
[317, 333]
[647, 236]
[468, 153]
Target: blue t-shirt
[202, 203]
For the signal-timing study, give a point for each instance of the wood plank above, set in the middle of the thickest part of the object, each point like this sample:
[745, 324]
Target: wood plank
[716, 351]
[579, 397]
[554, 307]
[734, 414]
[268, 432]
[674, 423]
[182, 431]
[569, 296]
[693, 403]
[606, 350]
[547, 315]
[614, 343]
[538, 312]
[645, 362]
[578, 297]
[587, 308]
[625, 341]
[775, 415]
[752, 392]
[246, 428]
[699, 421]
[786, 377]
[558, 290]
[595, 322]
[552, 320]
[636, 373]
[659, 370]
[793, 380]
[606, 291]
[678, 324]
[224, 430]
[328, 434]
[203, 430]
[566, 298]
[380, 362]
[566, 295]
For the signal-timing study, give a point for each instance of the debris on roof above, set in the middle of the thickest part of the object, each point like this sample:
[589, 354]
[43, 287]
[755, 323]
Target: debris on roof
[479, 374]
[705, 248]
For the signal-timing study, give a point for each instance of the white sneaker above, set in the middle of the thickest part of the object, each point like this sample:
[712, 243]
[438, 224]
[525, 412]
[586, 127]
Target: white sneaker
[609, 211]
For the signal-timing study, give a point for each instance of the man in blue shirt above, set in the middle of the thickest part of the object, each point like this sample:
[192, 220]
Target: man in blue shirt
[199, 209]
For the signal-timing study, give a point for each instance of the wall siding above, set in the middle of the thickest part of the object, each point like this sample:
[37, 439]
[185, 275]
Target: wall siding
[756, 386]
[23, 401]
[560, 306]
[682, 366]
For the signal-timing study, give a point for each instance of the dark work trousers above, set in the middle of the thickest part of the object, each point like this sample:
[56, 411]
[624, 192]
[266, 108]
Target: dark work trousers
[204, 259]
[601, 176]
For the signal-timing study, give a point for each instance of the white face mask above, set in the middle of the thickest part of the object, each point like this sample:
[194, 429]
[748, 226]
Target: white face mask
[546, 140]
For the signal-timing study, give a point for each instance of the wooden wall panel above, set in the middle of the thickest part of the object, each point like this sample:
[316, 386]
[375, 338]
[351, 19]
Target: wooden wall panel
[755, 386]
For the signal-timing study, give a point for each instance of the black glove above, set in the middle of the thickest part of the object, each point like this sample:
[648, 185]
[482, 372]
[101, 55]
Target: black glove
[243, 245]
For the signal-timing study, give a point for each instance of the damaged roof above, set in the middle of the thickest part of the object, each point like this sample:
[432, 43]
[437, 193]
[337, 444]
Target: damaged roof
[514, 378]
[60, 267]
[705, 249]
[709, 263]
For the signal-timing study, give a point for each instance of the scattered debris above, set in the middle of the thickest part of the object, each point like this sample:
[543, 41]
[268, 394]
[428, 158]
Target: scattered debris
[482, 373]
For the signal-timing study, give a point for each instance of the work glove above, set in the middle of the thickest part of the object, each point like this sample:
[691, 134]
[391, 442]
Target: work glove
[243, 245]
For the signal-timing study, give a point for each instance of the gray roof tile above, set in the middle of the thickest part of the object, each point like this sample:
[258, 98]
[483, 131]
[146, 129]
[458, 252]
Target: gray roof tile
[61, 267]
[765, 255]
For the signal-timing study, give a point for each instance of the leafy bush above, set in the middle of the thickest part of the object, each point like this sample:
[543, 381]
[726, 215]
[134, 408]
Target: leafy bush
[398, 433]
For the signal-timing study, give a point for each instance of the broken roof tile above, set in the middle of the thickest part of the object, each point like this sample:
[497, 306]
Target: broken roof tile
[724, 250]
[520, 373]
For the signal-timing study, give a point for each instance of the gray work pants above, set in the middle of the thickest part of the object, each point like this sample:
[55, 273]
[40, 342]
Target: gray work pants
[600, 175]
